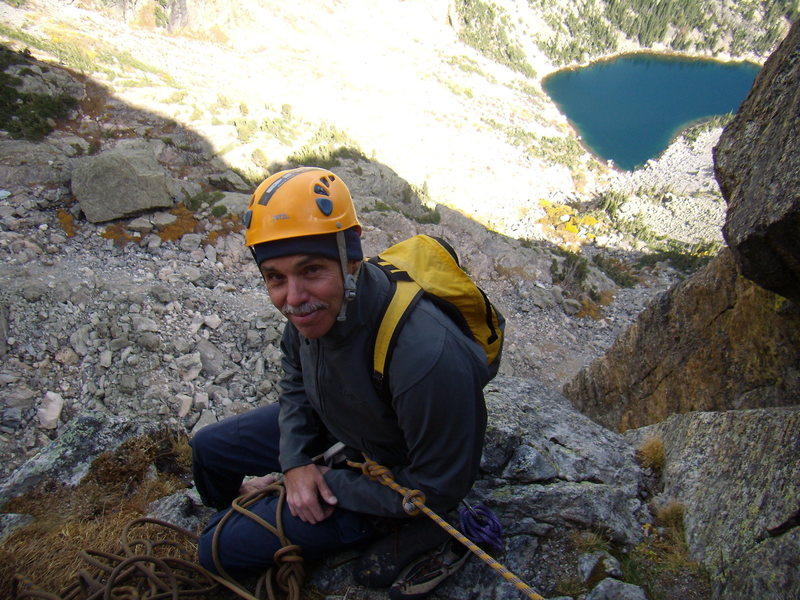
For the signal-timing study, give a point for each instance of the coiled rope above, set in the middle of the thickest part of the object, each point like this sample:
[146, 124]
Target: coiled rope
[414, 503]
[481, 525]
[166, 569]
[289, 560]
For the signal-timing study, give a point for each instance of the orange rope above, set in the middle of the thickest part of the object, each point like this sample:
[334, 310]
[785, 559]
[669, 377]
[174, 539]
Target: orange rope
[414, 502]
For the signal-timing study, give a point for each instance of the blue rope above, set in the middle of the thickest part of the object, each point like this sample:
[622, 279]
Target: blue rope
[481, 525]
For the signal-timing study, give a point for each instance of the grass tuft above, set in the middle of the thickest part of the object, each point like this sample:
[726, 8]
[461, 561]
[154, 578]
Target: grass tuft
[651, 454]
[116, 490]
[661, 565]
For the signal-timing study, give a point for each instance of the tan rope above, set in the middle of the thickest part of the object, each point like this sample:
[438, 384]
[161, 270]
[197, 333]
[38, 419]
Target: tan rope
[134, 572]
[414, 502]
[166, 570]
[288, 559]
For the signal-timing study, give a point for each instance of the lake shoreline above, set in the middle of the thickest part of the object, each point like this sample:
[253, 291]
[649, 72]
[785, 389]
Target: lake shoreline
[629, 109]
[600, 58]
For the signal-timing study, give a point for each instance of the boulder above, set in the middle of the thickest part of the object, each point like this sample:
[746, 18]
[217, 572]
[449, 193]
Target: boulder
[119, 183]
[737, 474]
[67, 458]
[716, 341]
[22, 162]
[546, 471]
[757, 165]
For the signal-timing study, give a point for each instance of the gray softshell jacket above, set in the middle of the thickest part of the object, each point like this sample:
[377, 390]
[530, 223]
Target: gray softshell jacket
[429, 427]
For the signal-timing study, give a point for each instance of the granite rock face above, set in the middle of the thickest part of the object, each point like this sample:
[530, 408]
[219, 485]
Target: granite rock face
[757, 165]
[716, 341]
[737, 473]
[546, 472]
[68, 458]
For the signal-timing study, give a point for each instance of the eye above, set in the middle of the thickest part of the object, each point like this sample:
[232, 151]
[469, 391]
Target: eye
[272, 278]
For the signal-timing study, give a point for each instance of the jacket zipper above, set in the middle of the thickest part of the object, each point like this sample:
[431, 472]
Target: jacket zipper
[318, 375]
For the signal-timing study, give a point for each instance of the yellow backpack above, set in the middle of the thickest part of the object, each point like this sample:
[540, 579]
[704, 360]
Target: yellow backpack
[426, 266]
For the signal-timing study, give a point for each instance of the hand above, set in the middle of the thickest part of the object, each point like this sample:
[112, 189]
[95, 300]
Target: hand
[256, 484]
[308, 496]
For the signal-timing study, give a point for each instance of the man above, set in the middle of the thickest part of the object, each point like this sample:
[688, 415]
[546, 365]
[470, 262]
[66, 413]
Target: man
[427, 425]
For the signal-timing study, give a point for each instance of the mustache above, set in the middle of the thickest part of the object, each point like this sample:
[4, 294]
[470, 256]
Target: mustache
[303, 309]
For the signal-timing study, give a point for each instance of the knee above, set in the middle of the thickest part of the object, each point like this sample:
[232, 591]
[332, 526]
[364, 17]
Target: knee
[200, 442]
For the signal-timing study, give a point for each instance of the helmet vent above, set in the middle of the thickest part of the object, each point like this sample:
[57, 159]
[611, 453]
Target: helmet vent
[325, 206]
[275, 185]
[318, 189]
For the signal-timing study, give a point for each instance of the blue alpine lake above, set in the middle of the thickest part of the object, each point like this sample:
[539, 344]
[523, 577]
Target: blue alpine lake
[628, 109]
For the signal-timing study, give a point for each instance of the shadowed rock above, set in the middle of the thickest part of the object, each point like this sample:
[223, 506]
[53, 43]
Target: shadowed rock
[757, 165]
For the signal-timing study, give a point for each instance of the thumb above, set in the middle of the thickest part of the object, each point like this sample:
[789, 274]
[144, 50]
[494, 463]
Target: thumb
[325, 492]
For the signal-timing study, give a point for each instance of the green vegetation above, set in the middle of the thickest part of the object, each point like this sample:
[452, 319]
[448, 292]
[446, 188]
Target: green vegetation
[467, 65]
[203, 198]
[485, 30]
[589, 29]
[578, 35]
[94, 56]
[661, 565]
[281, 128]
[610, 201]
[565, 150]
[27, 115]
[692, 133]
[245, 129]
[223, 102]
[430, 216]
[458, 90]
[260, 159]
[325, 148]
[684, 257]
[177, 97]
[616, 270]
[66, 52]
[571, 272]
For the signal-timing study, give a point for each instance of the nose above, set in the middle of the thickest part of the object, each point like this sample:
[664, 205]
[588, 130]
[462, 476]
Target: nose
[296, 292]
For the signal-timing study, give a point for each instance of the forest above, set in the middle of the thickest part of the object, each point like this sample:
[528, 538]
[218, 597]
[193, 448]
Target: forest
[587, 29]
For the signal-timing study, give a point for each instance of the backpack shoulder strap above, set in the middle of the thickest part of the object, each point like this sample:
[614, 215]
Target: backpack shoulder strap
[403, 293]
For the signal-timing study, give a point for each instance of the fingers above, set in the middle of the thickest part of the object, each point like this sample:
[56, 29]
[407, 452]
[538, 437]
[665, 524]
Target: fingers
[256, 484]
[308, 496]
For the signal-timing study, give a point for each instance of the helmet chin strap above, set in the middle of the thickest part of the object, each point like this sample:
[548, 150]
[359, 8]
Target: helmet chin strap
[349, 279]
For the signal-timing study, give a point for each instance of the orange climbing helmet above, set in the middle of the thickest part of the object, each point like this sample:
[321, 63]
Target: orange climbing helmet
[307, 210]
[300, 202]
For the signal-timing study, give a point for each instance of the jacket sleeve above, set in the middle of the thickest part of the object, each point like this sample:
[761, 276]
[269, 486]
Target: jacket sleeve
[299, 424]
[436, 393]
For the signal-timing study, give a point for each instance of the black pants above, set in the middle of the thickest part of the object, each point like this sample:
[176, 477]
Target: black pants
[222, 455]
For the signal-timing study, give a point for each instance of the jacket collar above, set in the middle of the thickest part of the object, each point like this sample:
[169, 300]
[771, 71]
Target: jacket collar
[372, 289]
